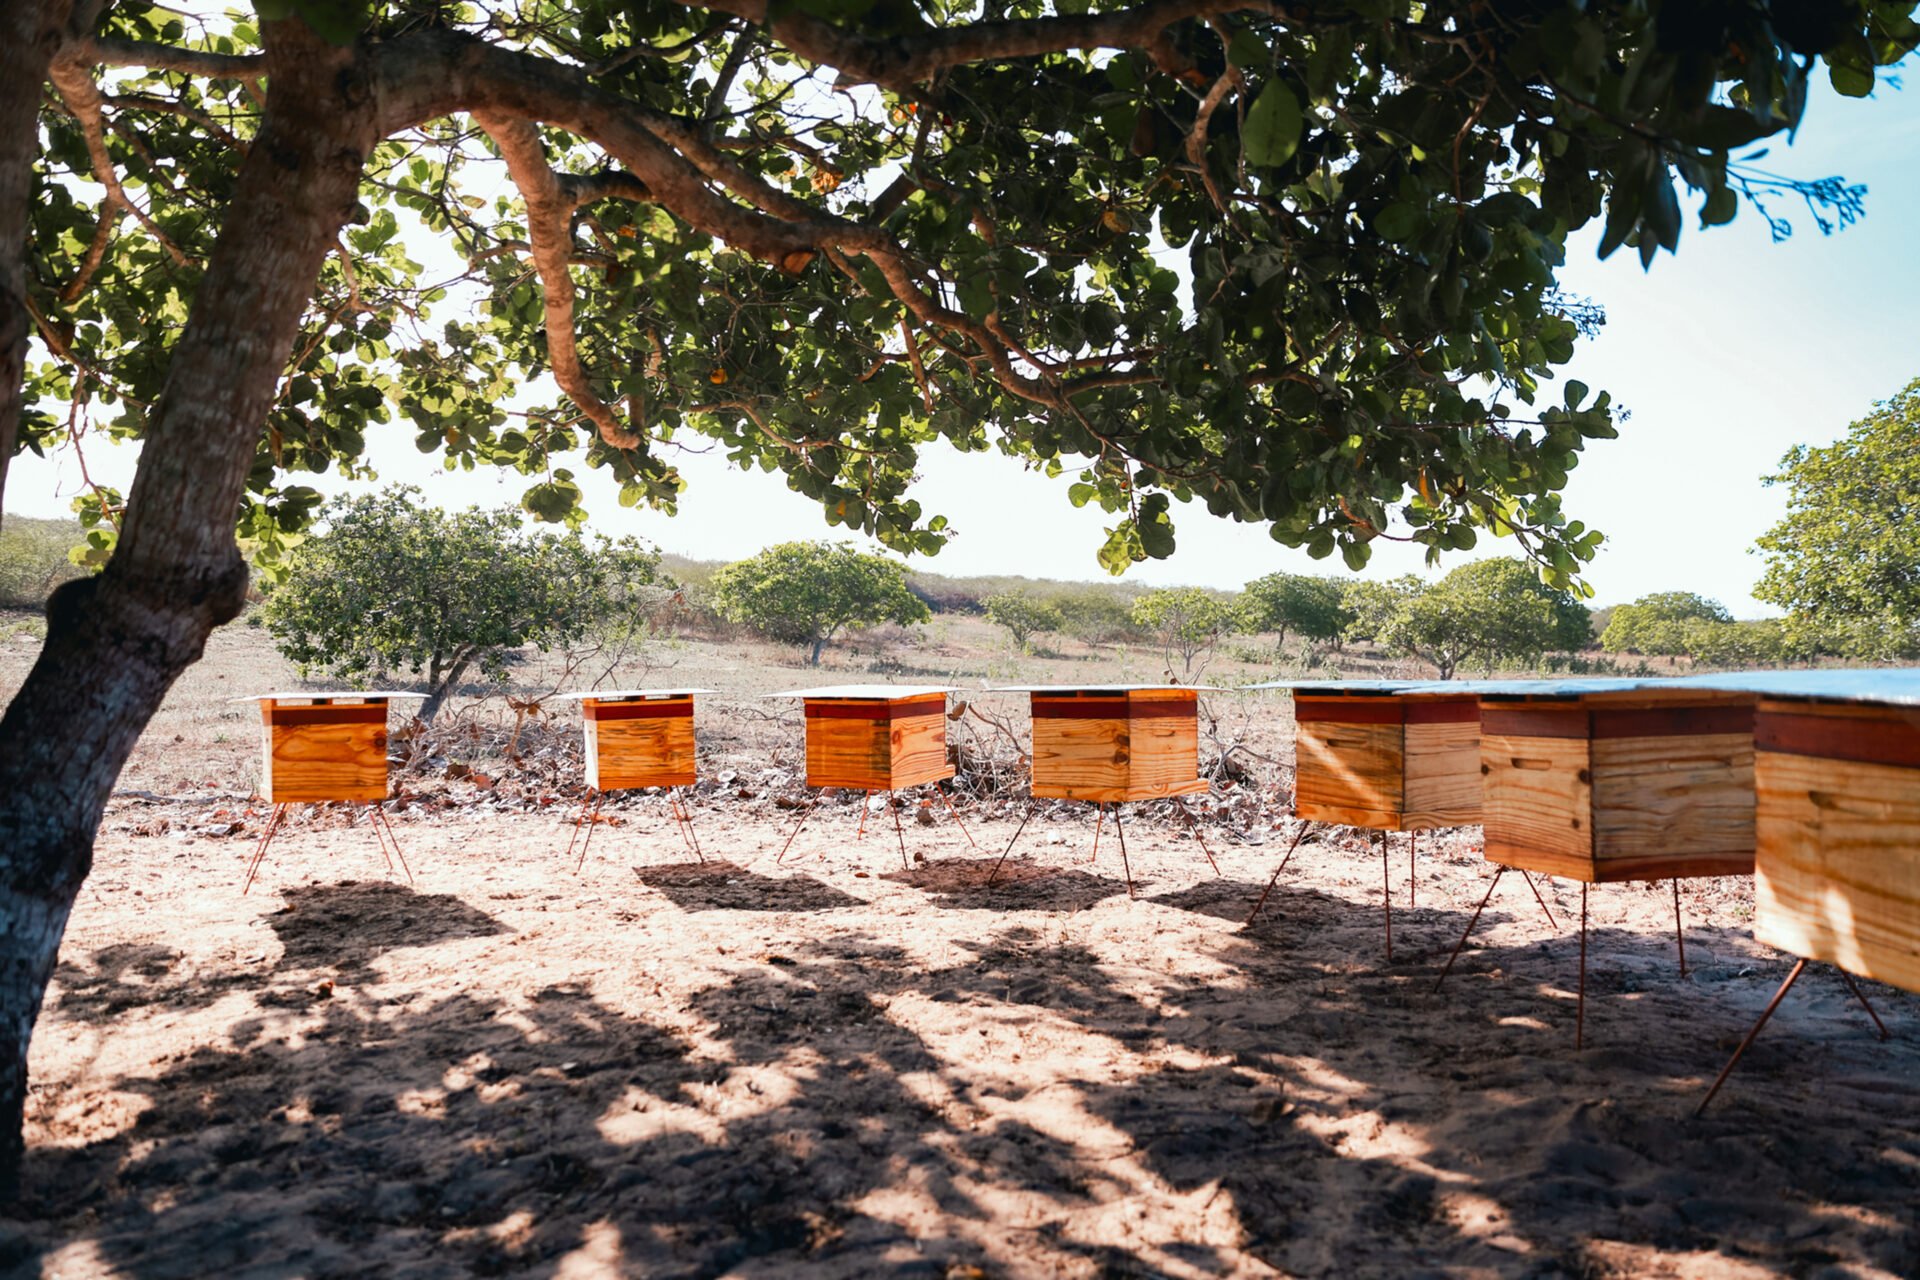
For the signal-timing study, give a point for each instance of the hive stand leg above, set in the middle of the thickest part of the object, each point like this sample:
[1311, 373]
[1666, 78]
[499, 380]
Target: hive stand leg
[954, 810]
[1100, 811]
[1580, 1003]
[393, 839]
[1413, 867]
[1861, 996]
[899, 833]
[1386, 893]
[1193, 825]
[586, 802]
[1679, 929]
[374, 822]
[804, 815]
[1764, 1015]
[1474, 920]
[866, 804]
[260, 850]
[1537, 898]
[679, 823]
[685, 810]
[1121, 832]
[1298, 836]
[593, 820]
[1032, 804]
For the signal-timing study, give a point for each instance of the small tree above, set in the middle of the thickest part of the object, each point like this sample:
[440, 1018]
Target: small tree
[1661, 623]
[1023, 616]
[395, 585]
[1492, 610]
[806, 593]
[1373, 607]
[1845, 560]
[1294, 602]
[1188, 622]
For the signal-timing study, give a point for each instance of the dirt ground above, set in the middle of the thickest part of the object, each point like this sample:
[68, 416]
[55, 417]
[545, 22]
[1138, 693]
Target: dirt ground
[839, 1066]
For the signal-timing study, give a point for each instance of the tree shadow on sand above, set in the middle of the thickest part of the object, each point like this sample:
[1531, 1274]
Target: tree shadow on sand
[841, 1117]
[727, 886]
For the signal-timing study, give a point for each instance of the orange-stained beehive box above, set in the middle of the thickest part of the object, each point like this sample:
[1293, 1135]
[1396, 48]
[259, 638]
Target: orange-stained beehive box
[637, 740]
[1111, 745]
[877, 743]
[1837, 868]
[323, 747]
[1387, 761]
[1644, 783]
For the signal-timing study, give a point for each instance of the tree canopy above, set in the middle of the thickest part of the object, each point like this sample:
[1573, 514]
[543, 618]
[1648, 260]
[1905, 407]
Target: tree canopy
[1023, 616]
[1488, 611]
[1845, 560]
[1296, 603]
[395, 585]
[806, 593]
[1187, 623]
[1658, 623]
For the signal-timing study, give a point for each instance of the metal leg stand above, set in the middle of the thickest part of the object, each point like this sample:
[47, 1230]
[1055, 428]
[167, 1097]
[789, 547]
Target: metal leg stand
[683, 814]
[394, 840]
[593, 820]
[1537, 898]
[1031, 806]
[1100, 819]
[1765, 1014]
[952, 809]
[1121, 832]
[1474, 920]
[1386, 893]
[374, 822]
[1679, 929]
[1861, 996]
[1193, 825]
[899, 834]
[1413, 867]
[260, 850]
[1580, 1005]
[586, 803]
[1298, 836]
[866, 804]
[804, 815]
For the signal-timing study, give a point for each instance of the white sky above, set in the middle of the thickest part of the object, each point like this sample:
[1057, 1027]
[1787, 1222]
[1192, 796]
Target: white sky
[1726, 355]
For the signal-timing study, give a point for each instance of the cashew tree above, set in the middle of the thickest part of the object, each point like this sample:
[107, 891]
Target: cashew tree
[819, 235]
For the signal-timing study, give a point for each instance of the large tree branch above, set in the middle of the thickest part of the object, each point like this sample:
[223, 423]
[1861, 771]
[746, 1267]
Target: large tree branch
[112, 51]
[903, 61]
[550, 209]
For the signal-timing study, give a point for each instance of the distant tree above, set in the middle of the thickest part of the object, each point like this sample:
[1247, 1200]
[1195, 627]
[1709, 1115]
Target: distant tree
[1490, 610]
[1373, 607]
[1097, 614]
[1298, 603]
[1187, 622]
[34, 559]
[392, 584]
[1658, 623]
[1737, 644]
[806, 593]
[1023, 616]
[1845, 560]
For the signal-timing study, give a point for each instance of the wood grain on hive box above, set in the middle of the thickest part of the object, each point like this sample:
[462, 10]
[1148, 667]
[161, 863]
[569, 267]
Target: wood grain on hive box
[1387, 761]
[1837, 871]
[1603, 788]
[877, 744]
[639, 742]
[324, 749]
[1116, 745]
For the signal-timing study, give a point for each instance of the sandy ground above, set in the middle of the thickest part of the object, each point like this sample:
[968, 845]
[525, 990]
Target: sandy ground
[838, 1066]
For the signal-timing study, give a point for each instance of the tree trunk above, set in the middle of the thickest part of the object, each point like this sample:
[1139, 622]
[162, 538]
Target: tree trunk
[116, 642]
[30, 31]
[813, 658]
[439, 689]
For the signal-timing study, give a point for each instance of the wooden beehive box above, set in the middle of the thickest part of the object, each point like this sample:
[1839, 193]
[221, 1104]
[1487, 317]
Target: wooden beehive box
[639, 738]
[875, 737]
[1115, 743]
[1629, 780]
[1386, 757]
[1837, 856]
[323, 746]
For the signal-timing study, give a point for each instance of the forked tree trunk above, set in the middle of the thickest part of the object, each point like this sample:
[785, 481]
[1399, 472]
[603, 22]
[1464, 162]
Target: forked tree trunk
[116, 642]
[29, 33]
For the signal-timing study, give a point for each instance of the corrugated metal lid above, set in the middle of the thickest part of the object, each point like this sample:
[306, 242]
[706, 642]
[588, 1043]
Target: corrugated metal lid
[883, 692]
[579, 694]
[325, 693]
[1893, 686]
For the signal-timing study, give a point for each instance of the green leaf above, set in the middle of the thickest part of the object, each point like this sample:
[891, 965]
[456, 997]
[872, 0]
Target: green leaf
[1273, 128]
[1398, 223]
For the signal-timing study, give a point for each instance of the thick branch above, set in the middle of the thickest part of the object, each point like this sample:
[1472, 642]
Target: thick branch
[550, 209]
[111, 51]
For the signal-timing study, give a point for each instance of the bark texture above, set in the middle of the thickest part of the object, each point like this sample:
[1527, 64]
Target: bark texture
[116, 642]
[30, 34]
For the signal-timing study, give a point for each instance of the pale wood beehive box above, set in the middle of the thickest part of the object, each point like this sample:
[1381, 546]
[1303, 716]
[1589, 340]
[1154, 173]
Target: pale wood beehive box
[1116, 743]
[875, 738]
[1837, 866]
[1387, 760]
[323, 747]
[1603, 785]
[639, 738]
